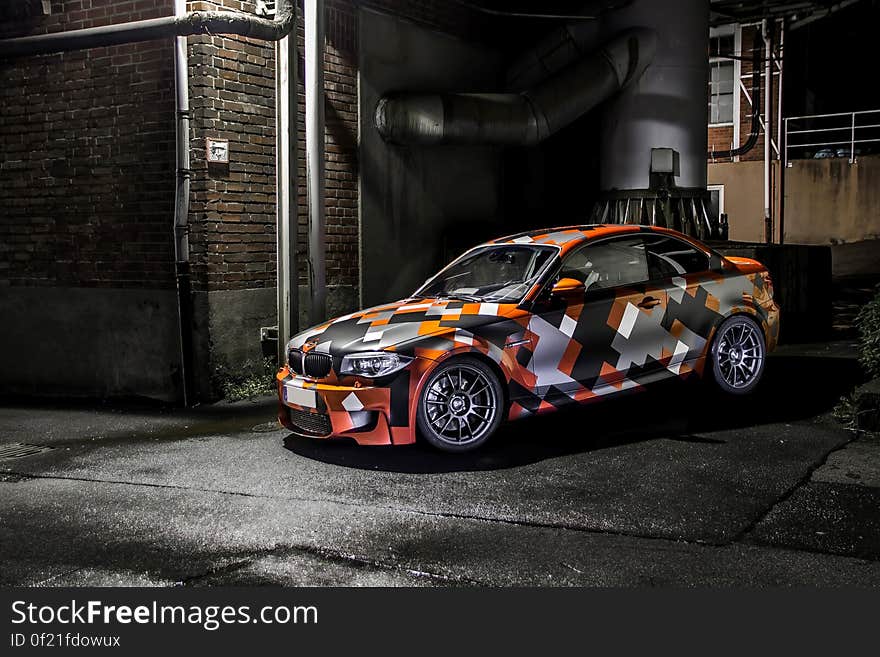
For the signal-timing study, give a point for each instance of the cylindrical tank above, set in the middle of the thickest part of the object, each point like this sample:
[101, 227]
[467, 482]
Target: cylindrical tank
[668, 106]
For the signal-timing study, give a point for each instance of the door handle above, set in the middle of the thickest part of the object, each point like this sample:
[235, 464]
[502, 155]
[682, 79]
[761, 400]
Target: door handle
[648, 302]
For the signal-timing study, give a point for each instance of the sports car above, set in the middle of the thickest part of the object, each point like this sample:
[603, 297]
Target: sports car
[528, 324]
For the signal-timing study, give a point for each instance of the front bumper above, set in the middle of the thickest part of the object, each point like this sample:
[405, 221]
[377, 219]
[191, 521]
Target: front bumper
[322, 410]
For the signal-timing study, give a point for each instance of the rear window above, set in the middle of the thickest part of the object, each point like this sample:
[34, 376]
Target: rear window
[668, 256]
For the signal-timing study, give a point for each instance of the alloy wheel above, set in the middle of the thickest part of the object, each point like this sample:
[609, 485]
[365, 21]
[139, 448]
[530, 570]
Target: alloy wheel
[740, 355]
[461, 404]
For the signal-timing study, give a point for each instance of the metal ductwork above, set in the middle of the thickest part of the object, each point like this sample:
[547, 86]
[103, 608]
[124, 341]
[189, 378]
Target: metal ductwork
[560, 48]
[518, 119]
[196, 22]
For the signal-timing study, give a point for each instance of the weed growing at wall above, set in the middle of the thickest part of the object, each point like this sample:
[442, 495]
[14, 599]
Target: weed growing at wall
[250, 380]
[868, 323]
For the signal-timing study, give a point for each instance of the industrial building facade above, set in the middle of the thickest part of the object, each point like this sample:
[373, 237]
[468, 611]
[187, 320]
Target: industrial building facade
[88, 171]
[822, 166]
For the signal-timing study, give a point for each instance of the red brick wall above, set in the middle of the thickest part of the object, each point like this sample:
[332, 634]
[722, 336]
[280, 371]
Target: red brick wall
[87, 156]
[721, 138]
[87, 148]
[341, 111]
[232, 209]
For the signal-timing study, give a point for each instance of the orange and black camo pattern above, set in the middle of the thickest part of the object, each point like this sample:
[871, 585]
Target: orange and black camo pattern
[547, 355]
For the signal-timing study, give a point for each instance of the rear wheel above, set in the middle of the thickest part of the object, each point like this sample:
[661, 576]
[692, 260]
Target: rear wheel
[738, 355]
[461, 405]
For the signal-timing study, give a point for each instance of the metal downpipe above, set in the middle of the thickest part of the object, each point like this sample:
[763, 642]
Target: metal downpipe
[181, 211]
[314, 90]
[768, 107]
[285, 190]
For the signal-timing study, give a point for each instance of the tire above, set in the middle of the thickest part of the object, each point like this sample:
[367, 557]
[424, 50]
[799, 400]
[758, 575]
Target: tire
[461, 405]
[738, 355]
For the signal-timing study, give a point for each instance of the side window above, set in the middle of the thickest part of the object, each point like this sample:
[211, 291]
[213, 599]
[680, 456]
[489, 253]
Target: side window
[610, 263]
[669, 257]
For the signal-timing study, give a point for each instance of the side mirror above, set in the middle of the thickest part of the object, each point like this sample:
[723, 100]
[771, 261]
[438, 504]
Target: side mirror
[568, 287]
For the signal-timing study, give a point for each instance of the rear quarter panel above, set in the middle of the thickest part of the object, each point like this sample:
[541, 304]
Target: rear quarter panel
[740, 287]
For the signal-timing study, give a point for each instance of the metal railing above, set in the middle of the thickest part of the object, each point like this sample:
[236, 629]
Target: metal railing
[845, 134]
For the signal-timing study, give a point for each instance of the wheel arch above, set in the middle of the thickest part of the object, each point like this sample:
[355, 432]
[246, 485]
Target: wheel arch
[475, 354]
[742, 311]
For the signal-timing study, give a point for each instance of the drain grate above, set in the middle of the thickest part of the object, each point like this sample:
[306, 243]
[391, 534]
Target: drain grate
[18, 450]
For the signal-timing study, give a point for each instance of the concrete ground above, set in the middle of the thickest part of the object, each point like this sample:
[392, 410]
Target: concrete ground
[672, 487]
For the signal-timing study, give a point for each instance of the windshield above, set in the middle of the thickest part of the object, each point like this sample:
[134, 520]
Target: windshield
[501, 273]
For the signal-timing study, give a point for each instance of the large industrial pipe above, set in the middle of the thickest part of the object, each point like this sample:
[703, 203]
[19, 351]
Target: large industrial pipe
[667, 109]
[557, 50]
[196, 22]
[517, 119]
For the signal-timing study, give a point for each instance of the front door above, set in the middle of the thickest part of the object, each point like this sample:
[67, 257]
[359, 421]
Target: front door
[612, 337]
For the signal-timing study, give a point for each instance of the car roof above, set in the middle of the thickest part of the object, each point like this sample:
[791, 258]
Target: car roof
[567, 237]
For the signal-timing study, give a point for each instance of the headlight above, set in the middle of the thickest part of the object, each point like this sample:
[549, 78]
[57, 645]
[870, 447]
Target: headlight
[373, 363]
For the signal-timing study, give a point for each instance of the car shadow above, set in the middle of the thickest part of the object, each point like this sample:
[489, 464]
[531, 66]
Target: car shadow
[793, 388]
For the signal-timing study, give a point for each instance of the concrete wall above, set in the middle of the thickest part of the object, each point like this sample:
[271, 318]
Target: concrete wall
[833, 201]
[416, 203]
[827, 201]
[89, 342]
[226, 335]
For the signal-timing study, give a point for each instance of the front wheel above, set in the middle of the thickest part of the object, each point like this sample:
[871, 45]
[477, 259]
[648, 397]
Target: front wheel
[461, 405]
[738, 355]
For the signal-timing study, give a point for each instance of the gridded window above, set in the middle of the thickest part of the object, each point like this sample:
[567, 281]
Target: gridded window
[721, 42]
[721, 76]
[721, 92]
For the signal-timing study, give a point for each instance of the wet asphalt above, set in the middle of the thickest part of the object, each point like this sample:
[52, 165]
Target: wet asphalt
[676, 486]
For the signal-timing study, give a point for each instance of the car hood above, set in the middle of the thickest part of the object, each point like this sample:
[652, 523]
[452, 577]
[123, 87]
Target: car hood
[402, 325]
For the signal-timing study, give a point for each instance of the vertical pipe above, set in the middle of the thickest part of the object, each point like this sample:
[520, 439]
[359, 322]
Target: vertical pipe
[737, 81]
[782, 140]
[181, 210]
[285, 186]
[314, 70]
[768, 104]
[852, 140]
